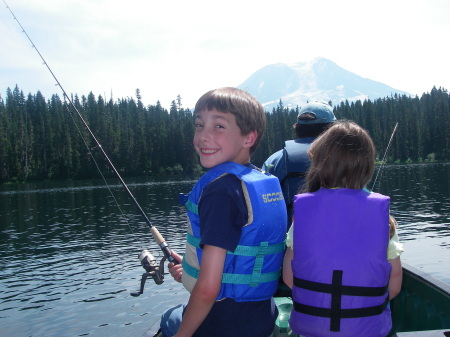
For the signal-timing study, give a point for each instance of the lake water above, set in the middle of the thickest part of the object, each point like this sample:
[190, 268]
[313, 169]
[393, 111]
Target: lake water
[68, 253]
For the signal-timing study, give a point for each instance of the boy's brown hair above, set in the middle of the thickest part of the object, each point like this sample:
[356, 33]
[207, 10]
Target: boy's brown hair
[249, 113]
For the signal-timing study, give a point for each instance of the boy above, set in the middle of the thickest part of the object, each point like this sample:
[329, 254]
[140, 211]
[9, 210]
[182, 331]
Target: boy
[236, 227]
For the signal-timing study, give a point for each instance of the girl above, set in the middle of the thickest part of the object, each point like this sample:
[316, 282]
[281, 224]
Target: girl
[336, 262]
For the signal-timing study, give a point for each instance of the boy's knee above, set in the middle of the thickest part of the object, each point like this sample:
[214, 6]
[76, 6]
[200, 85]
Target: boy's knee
[171, 320]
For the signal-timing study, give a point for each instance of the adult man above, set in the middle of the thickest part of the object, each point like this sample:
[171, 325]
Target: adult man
[291, 163]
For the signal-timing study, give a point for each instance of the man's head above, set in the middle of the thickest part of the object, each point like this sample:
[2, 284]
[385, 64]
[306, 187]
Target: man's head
[249, 113]
[313, 119]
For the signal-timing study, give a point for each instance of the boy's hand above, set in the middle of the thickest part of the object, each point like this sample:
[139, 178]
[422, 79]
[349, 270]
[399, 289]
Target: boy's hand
[176, 270]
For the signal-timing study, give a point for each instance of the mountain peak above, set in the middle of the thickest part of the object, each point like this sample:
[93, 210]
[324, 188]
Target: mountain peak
[318, 79]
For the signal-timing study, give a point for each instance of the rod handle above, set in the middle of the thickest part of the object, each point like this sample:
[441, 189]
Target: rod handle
[162, 244]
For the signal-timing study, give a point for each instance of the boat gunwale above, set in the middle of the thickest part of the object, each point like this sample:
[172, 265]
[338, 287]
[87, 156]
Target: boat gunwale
[430, 280]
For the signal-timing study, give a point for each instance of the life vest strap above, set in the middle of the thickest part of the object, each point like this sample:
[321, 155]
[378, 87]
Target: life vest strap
[244, 250]
[337, 290]
[234, 278]
[191, 206]
[293, 175]
[343, 313]
[345, 290]
[259, 252]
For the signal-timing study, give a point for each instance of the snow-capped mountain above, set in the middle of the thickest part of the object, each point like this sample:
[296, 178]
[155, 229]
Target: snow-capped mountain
[316, 80]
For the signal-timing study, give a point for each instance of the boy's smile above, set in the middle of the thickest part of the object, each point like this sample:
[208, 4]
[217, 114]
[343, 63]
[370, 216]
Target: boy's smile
[218, 139]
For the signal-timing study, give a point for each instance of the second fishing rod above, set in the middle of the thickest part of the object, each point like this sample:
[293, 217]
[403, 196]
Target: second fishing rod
[153, 269]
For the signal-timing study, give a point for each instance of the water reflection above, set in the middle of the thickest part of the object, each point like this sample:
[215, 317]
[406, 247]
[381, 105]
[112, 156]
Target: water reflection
[68, 254]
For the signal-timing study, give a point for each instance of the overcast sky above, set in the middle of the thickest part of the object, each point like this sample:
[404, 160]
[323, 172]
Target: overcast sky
[166, 48]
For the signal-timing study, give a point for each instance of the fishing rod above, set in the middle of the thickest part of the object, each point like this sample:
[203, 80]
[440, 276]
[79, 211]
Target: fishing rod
[384, 156]
[147, 260]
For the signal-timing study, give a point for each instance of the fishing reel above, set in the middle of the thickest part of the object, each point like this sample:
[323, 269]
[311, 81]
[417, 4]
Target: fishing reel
[153, 270]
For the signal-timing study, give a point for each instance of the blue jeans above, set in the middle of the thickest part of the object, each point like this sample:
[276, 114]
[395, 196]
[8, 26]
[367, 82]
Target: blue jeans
[171, 320]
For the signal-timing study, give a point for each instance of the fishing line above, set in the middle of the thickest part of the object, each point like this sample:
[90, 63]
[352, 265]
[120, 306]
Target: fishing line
[71, 115]
[96, 165]
[154, 231]
[384, 156]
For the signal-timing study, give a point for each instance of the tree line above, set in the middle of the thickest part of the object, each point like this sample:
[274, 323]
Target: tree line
[44, 139]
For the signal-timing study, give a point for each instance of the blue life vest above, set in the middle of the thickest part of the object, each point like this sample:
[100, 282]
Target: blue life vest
[296, 163]
[252, 271]
[340, 266]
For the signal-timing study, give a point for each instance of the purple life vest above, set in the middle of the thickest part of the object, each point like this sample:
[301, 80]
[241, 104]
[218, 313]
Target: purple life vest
[340, 266]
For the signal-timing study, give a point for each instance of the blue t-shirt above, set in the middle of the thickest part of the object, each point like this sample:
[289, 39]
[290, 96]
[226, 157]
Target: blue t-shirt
[223, 212]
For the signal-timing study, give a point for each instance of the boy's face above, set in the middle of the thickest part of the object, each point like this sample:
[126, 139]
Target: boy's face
[218, 139]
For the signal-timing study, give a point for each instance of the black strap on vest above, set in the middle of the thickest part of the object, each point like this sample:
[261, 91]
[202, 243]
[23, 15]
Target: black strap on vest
[293, 175]
[336, 289]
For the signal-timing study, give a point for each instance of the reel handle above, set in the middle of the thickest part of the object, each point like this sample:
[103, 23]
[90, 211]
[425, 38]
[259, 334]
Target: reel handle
[153, 270]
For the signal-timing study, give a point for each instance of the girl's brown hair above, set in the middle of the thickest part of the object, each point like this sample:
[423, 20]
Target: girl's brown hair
[392, 226]
[343, 156]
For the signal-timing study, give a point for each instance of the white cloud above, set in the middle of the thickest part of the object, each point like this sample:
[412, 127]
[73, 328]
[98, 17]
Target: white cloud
[179, 47]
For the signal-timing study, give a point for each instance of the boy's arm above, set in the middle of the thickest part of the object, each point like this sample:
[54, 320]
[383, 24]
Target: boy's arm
[288, 277]
[205, 290]
[395, 279]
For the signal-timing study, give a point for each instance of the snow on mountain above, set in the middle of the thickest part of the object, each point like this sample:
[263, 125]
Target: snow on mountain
[316, 80]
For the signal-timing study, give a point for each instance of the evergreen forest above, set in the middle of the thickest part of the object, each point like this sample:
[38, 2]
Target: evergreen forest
[44, 139]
